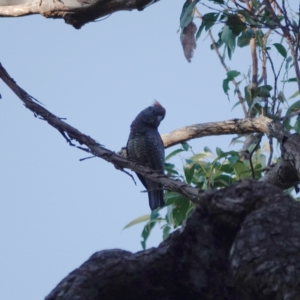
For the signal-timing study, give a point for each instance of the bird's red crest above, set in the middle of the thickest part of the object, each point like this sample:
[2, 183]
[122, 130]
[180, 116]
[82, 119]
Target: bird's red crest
[159, 107]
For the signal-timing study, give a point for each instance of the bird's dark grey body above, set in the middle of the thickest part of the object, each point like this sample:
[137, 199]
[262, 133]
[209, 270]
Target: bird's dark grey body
[145, 146]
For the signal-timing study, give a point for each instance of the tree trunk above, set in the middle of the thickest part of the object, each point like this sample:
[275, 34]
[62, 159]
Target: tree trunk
[242, 242]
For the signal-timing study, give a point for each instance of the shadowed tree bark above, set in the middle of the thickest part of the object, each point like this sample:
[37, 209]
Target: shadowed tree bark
[242, 242]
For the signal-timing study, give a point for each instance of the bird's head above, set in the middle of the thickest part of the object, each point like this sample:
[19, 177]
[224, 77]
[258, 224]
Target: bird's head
[153, 115]
[150, 117]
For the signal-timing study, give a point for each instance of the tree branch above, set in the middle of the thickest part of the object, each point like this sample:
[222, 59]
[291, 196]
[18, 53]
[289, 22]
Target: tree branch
[235, 126]
[224, 252]
[70, 133]
[75, 12]
[240, 126]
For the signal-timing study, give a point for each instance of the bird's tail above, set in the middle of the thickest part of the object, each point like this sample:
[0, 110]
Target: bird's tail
[156, 196]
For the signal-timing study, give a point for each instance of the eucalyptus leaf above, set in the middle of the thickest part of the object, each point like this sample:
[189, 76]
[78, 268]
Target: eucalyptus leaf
[280, 49]
[185, 146]
[208, 20]
[243, 39]
[138, 220]
[228, 37]
[187, 13]
[166, 232]
[241, 171]
[173, 153]
[297, 125]
[146, 232]
[295, 94]
[189, 172]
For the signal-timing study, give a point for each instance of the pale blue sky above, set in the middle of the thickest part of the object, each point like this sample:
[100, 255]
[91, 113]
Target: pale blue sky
[57, 211]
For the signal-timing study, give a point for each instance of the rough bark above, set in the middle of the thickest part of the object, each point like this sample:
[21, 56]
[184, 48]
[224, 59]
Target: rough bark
[242, 242]
[75, 12]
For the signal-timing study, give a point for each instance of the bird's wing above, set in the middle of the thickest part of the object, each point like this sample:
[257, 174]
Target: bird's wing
[155, 150]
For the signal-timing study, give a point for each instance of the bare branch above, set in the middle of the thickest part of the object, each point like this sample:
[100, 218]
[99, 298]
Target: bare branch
[234, 126]
[261, 124]
[259, 136]
[74, 12]
[254, 62]
[94, 147]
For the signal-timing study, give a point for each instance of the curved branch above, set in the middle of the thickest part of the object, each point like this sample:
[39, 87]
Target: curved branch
[235, 126]
[290, 164]
[74, 12]
[70, 133]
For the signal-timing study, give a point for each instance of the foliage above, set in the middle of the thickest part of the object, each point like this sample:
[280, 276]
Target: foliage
[269, 31]
[204, 170]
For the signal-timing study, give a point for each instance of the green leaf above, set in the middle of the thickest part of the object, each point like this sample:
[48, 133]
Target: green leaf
[178, 207]
[233, 159]
[217, 1]
[166, 232]
[200, 156]
[185, 146]
[297, 125]
[187, 13]
[206, 149]
[219, 152]
[180, 210]
[137, 221]
[230, 76]
[263, 91]
[201, 27]
[171, 197]
[189, 172]
[226, 168]
[287, 62]
[294, 79]
[208, 20]
[170, 168]
[293, 108]
[248, 17]
[173, 153]
[280, 49]
[286, 124]
[222, 181]
[154, 215]
[295, 94]
[146, 232]
[228, 37]
[235, 23]
[241, 171]
[243, 39]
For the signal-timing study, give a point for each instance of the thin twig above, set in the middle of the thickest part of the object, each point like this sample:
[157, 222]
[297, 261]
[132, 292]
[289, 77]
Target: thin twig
[85, 158]
[251, 153]
[241, 98]
[275, 81]
[296, 113]
[271, 150]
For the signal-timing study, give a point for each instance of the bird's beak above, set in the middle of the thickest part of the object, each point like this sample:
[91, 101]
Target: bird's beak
[159, 118]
